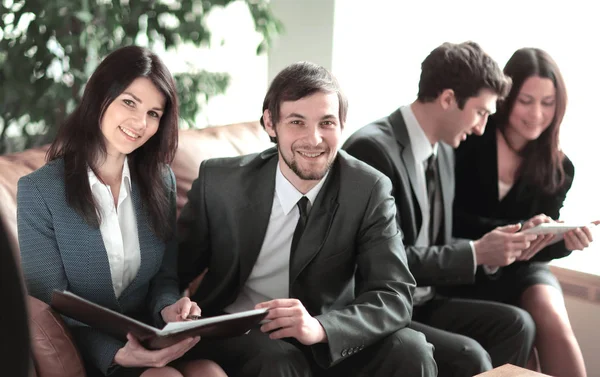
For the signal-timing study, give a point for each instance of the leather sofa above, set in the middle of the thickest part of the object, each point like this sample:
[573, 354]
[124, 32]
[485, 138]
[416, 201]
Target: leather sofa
[53, 352]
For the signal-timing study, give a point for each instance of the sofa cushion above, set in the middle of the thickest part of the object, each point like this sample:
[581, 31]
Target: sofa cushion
[52, 346]
[13, 167]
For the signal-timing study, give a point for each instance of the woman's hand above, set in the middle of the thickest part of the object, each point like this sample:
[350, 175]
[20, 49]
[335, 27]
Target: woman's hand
[541, 241]
[580, 238]
[180, 311]
[133, 354]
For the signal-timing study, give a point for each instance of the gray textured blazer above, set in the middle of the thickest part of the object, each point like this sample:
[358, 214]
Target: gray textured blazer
[349, 269]
[59, 250]
[385, 145]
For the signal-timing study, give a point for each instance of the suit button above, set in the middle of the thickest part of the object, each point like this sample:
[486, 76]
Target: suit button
[361, 347]
[344, 353]
[350, 351]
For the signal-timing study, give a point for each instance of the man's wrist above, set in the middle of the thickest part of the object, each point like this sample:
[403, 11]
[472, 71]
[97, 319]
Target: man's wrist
[322, 338]
[477, 252]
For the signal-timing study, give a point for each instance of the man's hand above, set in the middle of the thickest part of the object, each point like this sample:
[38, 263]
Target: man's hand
[289, 319]
[180, 310]
[502, 246]
[543, 239]
[133, 354]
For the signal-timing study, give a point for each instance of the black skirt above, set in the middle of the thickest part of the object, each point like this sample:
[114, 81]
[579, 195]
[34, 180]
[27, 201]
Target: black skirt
[507, 285]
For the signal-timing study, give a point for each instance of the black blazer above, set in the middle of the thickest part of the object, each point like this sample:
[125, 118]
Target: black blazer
[477, 209]
[386, 146]
[349, 269]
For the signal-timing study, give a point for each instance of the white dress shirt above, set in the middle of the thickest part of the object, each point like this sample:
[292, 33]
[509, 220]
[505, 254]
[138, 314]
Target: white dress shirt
[421, 149]
[270, 276]
[118, 226]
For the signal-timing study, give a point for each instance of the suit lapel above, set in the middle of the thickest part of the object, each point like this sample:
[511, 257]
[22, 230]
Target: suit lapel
[406, 153]
[319, 223]
[96, 282]
[255, 213]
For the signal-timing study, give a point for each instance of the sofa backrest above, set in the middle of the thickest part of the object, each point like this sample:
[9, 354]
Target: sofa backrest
[194, 147]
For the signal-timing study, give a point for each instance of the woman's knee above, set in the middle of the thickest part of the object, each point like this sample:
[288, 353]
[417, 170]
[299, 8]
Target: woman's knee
[546, 305]
[161, 372]
[201, 368]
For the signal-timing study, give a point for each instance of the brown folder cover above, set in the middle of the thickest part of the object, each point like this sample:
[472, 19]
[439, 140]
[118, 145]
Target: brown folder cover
[118, 325]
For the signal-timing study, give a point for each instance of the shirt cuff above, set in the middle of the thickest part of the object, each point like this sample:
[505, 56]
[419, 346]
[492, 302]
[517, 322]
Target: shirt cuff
[472, 244]
[487, 269]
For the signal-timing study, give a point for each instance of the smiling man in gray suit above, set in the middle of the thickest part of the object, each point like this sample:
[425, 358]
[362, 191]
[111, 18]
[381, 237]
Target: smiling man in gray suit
[458, 89]
[309, 233]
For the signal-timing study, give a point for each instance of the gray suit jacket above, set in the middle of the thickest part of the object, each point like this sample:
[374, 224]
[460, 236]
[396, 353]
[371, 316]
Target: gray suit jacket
[385, 145]
[349, 269]
[59, 250]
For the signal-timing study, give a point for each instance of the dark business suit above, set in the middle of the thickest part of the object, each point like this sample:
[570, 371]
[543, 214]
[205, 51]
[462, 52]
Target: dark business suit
[385, 145]
[14, 353]
[478, 209]
[59, 250]
[349, 269]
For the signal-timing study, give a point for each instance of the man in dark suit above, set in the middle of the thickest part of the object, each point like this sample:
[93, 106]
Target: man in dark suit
[458, 89]
[309, 233]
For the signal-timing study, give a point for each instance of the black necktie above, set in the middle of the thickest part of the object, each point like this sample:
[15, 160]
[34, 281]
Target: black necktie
[431, 178]
[303, 208]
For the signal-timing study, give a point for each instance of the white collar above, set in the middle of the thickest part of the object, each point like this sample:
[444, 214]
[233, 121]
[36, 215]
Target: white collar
[419, 142]
[288, 195]
[125, 176]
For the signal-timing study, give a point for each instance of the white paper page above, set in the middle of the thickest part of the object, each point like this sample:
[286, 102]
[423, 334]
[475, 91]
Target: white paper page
[175, 327]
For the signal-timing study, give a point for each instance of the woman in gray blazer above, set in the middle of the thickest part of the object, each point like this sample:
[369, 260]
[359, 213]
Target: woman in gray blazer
[99, 218]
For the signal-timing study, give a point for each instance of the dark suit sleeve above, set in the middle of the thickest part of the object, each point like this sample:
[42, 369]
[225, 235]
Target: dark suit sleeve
[433, 265]
[383, 302]
[164, 286]
[193, 232]
[43, 270]
[551, 206]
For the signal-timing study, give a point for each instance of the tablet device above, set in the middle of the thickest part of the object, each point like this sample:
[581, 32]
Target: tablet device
[554, 228]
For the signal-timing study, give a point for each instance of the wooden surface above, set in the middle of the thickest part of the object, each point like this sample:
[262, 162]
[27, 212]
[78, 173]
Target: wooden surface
[509, 370]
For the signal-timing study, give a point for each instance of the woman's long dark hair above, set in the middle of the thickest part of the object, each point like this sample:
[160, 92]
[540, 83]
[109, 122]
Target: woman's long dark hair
[80, 142]
[542, 165]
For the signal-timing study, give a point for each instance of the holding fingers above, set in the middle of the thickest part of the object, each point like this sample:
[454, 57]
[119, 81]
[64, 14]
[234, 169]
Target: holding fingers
[133, 354]
[542, 240]
[580, 238]
[180, 311]
[289, 319]
[502, 246]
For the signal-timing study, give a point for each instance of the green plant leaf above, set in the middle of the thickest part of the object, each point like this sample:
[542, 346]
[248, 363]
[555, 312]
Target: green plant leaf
[72, 36]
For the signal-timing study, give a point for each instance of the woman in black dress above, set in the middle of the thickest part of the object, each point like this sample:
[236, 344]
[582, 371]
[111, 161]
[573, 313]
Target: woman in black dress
[516, 172]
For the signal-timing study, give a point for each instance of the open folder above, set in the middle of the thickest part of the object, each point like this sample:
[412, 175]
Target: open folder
[118, 325]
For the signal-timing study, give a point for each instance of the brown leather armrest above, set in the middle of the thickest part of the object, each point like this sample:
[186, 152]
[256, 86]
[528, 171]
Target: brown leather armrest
[54, 351]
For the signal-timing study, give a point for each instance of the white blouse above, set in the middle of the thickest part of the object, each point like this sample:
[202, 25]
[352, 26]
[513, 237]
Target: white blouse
[118, 227]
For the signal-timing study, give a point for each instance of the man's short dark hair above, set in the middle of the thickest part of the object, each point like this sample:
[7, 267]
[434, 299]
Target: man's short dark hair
[301, 80]
[465, 68]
